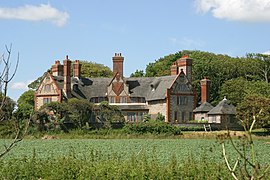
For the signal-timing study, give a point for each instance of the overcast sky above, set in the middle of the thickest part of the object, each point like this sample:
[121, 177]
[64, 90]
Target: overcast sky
[142, 30]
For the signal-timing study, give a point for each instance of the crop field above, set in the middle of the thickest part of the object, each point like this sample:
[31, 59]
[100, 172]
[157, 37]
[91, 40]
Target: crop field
[121, 159]
[163, 149]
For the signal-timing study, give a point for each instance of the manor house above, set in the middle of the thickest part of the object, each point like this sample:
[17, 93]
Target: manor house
[173, 96]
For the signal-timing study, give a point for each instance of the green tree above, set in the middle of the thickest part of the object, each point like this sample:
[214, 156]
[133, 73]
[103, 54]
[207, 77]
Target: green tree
[51, 116]
[262, 65]
[254, 106]
[237, 89]
[137, 73]
[8, 105]
[25, 104]
[109, 114]
[35, 83]
[81, 112]
[92, 69]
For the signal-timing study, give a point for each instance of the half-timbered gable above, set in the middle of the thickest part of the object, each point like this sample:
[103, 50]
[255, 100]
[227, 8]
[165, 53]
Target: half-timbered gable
[47, 91]
[182, 99]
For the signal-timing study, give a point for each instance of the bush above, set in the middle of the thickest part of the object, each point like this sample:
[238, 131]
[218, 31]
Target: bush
[153, 127]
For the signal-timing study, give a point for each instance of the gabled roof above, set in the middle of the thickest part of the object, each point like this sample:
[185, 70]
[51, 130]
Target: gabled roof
[222, 108]
[151, 88]
[204, 107]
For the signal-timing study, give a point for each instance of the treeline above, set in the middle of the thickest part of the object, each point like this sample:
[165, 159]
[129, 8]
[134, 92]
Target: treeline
[222, 70]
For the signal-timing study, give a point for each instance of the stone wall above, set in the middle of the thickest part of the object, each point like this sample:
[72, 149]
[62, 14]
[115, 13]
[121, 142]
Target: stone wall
[156, 107]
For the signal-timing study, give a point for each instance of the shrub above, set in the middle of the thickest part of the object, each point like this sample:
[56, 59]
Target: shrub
[153, 127]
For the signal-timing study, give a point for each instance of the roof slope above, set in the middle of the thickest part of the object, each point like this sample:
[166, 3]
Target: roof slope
[222, 108]
[204, 107]
[151, 88]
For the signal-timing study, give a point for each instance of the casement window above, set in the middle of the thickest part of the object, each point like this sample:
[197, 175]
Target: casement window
[123, 99]
[131, 116]
[111, 99]
[183, 116]
[182, 100]
[47, 100]
[214, 119]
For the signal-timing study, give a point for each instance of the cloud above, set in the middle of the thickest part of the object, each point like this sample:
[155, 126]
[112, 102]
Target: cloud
[21, 85]
[43, 12]
[236, 10]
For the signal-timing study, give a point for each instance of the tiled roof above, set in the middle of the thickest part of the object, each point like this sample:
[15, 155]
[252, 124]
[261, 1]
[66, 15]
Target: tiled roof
[204, 107]
[223, 107]
[151, 88]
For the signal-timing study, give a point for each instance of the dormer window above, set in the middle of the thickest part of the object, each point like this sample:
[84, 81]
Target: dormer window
[152, 87]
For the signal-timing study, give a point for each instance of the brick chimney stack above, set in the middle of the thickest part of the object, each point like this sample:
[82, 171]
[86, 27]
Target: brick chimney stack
[57, 69]
[174, 69]
[205, 90]
[77, 69]
[118, 64]
[185, 63]
[67, 78]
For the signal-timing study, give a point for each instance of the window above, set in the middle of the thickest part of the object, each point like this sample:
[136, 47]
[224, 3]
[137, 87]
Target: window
[47, 100]
[47, 88]
[111, 99]
[131, 116]
[140, 116]
[123, 99]
[214, 119]
[177, 101]
[183, 100]
[190, 116]
[175, 116]
[183, 116]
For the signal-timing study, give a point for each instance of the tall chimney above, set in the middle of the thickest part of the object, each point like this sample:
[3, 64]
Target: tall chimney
[77, 69]
[118, 64]
[205, 90]
[57, 69]
[174, 69]
[67, 78]
[185, 63]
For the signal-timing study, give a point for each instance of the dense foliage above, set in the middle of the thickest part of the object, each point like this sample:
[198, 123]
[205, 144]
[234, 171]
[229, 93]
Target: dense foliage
[254, 106]
[153, 127]
[7, 107]
[25, 104]
[76, 113]
[92, 69]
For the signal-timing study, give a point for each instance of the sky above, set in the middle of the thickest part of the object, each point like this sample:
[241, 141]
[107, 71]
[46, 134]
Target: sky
[142, 30]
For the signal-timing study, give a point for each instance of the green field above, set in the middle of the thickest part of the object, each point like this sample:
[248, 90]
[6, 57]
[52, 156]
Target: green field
[105, 153]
